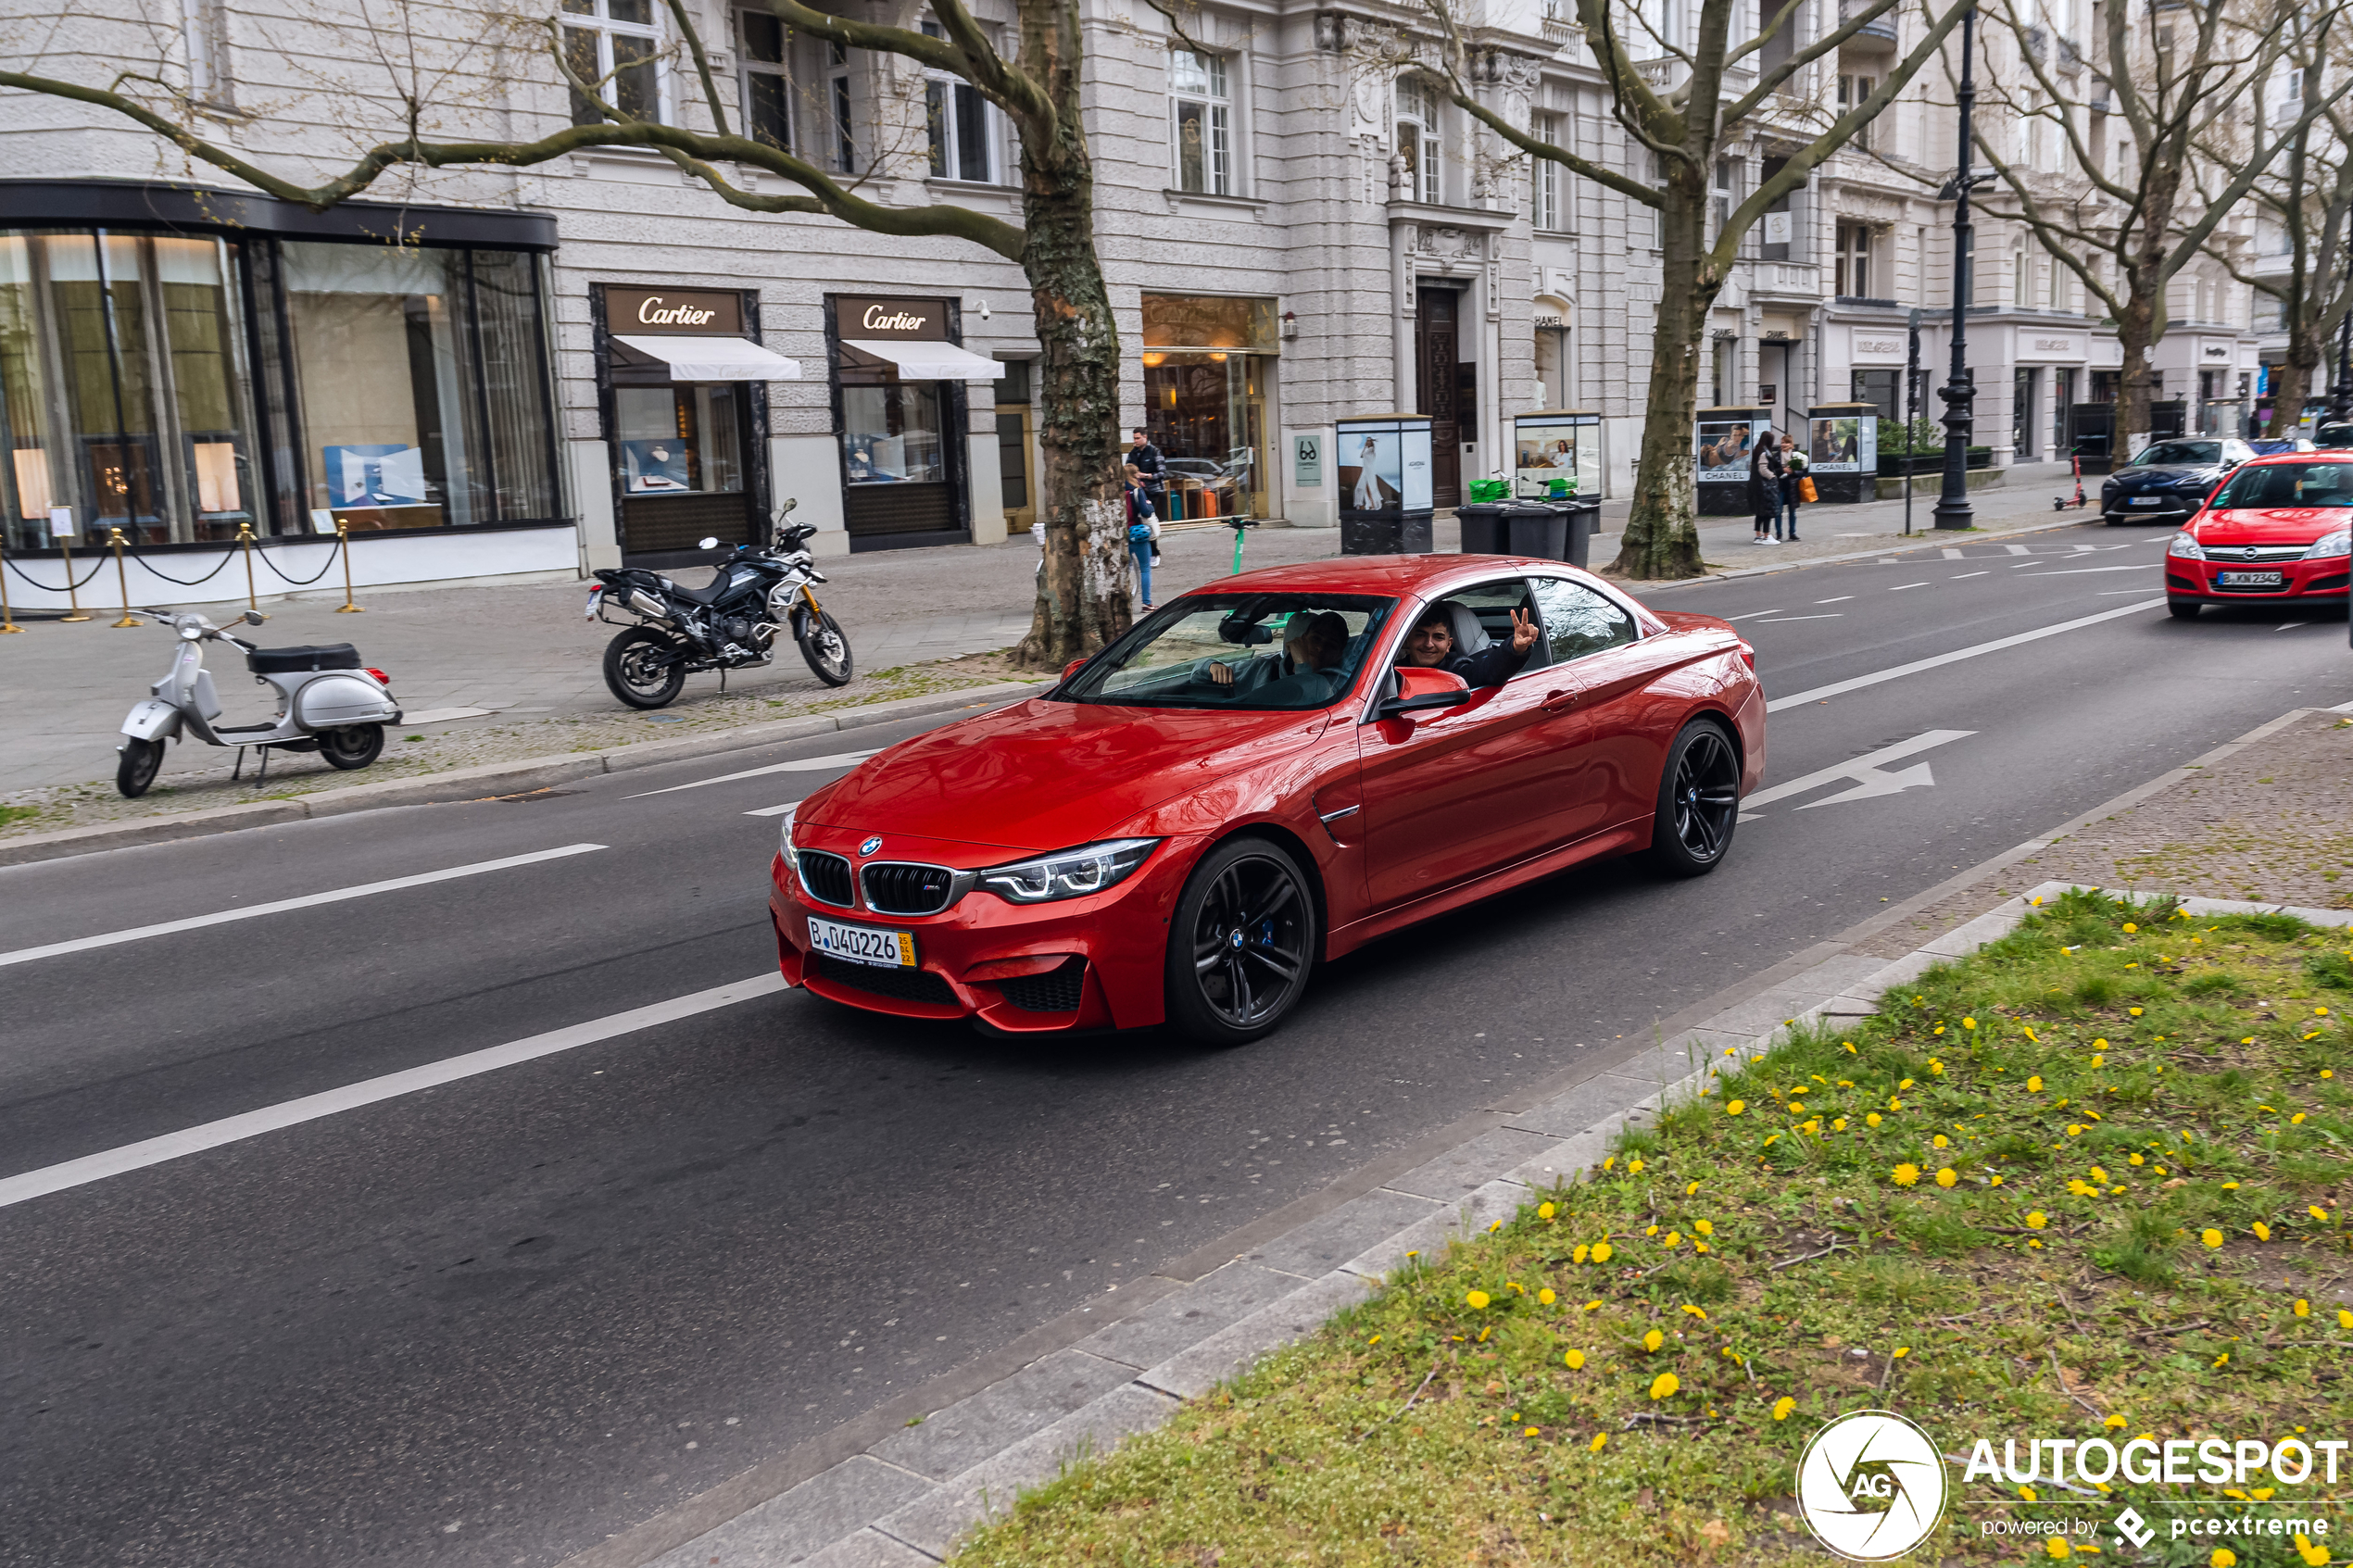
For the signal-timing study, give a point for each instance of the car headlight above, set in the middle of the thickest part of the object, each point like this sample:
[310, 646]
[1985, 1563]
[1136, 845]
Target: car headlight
[784, 842]
[1068, 874]
[2337, 543]
[2185, 546]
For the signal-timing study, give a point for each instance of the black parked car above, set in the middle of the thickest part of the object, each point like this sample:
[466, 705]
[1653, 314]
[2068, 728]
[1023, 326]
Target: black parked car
[2170, 480]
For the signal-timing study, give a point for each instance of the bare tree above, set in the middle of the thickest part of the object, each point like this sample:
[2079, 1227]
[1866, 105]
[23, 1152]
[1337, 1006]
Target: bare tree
[2308, 197]
[1083, 599]
[1686, 127]
[2175, 85]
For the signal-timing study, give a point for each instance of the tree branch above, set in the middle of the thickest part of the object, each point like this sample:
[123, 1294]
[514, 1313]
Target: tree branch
[702, 64]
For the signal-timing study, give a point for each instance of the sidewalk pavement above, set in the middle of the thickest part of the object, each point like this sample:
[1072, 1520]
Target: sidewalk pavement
[503, 654]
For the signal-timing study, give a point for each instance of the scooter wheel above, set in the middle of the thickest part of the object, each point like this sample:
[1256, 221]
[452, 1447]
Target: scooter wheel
[141, 761]
[353, 746]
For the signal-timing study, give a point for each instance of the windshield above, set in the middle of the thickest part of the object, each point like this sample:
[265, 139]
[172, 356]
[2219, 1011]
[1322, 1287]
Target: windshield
[2288, 485]
[2188, 453]
[1255, 651]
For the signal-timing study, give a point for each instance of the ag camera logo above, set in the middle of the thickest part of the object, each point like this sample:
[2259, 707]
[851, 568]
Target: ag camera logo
[1871, 1485]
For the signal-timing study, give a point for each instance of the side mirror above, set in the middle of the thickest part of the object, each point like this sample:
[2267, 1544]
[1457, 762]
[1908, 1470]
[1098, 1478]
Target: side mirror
[790, 502]
[253, 618]
[1421, 690]
[1073, 667]
[708, 542]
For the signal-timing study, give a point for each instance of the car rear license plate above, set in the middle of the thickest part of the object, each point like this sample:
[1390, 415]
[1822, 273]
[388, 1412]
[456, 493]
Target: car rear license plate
[862, 944]
[2149, 500]
[2250, 579]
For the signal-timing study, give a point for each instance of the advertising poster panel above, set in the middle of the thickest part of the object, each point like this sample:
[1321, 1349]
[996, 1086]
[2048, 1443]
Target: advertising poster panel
[1844, 444]
[1724, 447]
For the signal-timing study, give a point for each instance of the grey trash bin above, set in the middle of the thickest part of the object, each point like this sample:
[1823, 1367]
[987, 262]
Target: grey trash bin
[1584, 521]
[1484, 532]
[1537, 531]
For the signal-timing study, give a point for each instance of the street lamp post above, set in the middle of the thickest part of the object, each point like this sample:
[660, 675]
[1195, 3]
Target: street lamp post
[1952, 506]
[2340, 401]
[1912, 409]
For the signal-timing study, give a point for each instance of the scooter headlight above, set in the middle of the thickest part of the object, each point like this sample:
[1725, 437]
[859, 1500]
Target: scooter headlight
[190, 634]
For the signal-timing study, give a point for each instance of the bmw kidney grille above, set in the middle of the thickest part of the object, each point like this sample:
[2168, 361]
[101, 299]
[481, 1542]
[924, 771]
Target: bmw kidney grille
[826, 877]
[898, 887]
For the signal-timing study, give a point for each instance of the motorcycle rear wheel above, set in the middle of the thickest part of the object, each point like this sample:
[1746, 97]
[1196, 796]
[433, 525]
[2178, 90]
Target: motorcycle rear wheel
[353, 746]
[824, 647]
[644, 669]
[141, 761]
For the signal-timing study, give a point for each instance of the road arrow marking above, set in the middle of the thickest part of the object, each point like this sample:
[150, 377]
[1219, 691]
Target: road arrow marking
[1870, 778]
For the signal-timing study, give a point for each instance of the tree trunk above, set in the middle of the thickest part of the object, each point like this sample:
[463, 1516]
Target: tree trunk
[2132, 394]
[1083, 598]
[1662, 535]
[2294, 384]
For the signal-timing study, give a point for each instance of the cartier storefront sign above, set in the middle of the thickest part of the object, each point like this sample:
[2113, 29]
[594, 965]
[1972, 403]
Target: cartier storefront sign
[905, 320]
[674, 312]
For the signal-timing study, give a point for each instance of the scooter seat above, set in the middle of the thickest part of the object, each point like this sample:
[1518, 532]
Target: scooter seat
[285, 661]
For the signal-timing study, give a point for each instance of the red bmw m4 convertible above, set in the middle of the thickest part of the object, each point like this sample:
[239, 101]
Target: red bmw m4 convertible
[1263, 774]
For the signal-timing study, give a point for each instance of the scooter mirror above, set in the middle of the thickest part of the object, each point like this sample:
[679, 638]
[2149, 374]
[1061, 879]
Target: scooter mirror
[709, 541]
[253, 618]
[790, 502]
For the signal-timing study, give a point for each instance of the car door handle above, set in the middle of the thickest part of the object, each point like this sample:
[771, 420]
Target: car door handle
[1560, 702]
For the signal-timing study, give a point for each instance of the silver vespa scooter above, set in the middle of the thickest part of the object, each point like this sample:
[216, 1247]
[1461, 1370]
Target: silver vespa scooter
[328, 702]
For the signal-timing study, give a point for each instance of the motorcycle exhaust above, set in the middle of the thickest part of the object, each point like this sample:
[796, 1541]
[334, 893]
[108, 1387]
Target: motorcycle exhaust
[645, 604]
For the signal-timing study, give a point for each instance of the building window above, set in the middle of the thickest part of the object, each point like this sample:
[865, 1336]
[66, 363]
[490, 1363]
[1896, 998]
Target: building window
[1877, 388]
[1652, 219]
[2021, 276]
[1545, 178]
[202, 30]
[1726, 191]
[845, 148]
[613, 46]
[2056, 297]
[1208, 360]
[1853, 93]
[1853, 281]
[1201, 128]
[956, 121]
[1418, 142]
[1724, 369]
[767, 106]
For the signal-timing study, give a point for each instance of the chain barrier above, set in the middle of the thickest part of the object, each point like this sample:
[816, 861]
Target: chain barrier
[147, 563]
[149, 566]
[332, 552]
[72, 586]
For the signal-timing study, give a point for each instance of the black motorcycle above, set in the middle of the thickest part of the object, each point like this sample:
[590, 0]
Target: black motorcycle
[729, 624]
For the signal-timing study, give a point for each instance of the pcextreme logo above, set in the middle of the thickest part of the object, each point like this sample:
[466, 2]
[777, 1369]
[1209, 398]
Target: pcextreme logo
[1871, 1485]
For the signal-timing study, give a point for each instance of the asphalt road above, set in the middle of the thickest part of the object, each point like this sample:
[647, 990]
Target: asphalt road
[495, 1320]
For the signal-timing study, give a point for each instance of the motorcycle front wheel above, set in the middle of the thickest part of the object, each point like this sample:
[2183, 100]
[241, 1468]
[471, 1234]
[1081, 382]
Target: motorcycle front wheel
[824, 647]
[141, 761]
[353, 746]
[645, 667]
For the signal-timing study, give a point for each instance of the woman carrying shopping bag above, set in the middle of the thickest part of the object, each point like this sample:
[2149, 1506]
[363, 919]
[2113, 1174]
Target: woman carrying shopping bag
[1143, 529]
[1765, 474]
[1796, 486]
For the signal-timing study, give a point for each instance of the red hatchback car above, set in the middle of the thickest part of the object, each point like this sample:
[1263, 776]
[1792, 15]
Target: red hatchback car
[2274, 532]
[1258, 776]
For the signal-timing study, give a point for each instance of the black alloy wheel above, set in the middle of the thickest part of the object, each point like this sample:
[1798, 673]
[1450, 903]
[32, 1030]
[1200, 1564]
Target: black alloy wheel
[1240, 943]
[824, 647]
[353, 746]
[645, 667]
[1699, 801]
[141, 761]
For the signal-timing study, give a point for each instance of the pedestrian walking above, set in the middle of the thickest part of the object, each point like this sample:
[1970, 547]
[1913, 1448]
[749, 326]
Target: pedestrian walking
[1143, 531]
[1794, 466]
[1148, 468]
[1764, 473]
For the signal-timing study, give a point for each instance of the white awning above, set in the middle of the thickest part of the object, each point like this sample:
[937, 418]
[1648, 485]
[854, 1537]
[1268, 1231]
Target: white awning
[714, 358]
[928, 361]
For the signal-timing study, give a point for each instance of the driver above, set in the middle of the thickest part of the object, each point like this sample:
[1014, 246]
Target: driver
[1430, 646]
[1314, 644]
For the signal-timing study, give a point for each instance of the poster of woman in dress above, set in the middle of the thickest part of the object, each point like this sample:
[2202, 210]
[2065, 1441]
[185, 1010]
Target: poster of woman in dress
[1371, 472]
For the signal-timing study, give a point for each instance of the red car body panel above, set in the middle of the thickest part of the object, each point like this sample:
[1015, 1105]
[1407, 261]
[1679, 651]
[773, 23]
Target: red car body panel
[1559, 765]
[2266, 530]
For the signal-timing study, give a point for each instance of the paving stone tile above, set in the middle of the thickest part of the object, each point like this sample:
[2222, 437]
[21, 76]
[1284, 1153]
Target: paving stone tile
[793, 1524]
[1323, 1244]
[1426, 1236]
[1235, 1349]
[1461, 1170]
[1575, 1110]
[869, 1549]
[932, 1522]
[952, 1440]
[1570, 1160]
[1189, 1315]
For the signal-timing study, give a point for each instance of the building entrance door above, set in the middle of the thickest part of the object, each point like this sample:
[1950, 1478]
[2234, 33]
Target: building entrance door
[1435, 389]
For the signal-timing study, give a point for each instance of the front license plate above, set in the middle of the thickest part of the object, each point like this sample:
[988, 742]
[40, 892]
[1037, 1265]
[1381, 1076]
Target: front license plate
[2148, 501]
[2251, 579]
[862, 944]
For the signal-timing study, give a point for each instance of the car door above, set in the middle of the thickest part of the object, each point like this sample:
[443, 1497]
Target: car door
[1616, 715]
[1452, 794]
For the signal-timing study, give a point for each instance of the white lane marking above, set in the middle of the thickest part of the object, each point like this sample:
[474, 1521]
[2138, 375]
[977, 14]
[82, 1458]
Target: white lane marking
[1870, 778]
[1951, 554]
[2342, 708]
[2018, 550]
[310, 1108]
[2018, 564]
[1840, 600]
[2293, 625]
[443, 715]
[774, 811]
[2080, 549]
[2117, 593]
[1751, 615]
[1833, 615]
[1839, 688]
[805, 765]
[1967, 575]
[254, 912]
[2081, 571]
[1901, 586]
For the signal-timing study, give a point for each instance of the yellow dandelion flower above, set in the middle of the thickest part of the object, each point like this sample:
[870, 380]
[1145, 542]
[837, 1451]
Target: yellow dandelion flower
[2028, 1493]
[2222, 1557]
[1901, 1351]
[1968, 1023]
[2343, 1318]
[1690, 1187]
[1674, 1239]
[2037, 1220]
[1940, 1141]
[1839, 1126]
[2211, 1236]
[1580, 1255]
[2135, 1012]
[2034, 1084]
[1634, 1167]
[2302, 1309]
[1936, 1067]
[2114, 1424]
[2230, 1186]
[1947, 1177]
[2098, 1174]
[1872, 1120]
[1652, 1230]
[1696, 1312]
[1996, 1178]
[1663, 1387]
[2317, 1212]
[1906, 1174]
[1573, 1360]
[1704, 1227]
[1783, 1406]
[1699, 1247]
[1652, 1340]
[1478, 1299]
[1904, 1085]
[1600, 1252]
[2319, 1012]
[1529, 1433]
[2057, 1548]
[1938, 1030]
[1545, 1210]
[1734, 1108]
[1850, 1047]
[2030, 1034]
[2222, 1359]
[2136, 1159]
[2100, 1044]
[2098, 1060]
[2262, 1232]
[1599, 1438]
[1545, 1296]
[2130, 928]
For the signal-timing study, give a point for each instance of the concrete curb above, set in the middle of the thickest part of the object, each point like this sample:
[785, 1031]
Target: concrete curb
[877, 1492]
[1900, 543]
[493, 778]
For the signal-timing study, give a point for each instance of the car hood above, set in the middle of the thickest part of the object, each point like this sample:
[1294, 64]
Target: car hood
[2167, 474]
[1047, 775]
[2270, 525]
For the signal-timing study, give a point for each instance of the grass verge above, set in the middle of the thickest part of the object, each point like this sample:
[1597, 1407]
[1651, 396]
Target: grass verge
[2089, 1183]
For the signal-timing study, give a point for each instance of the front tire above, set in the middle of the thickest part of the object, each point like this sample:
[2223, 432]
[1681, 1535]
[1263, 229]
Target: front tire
[824, 647]
[645, 667]
[1699, 801]
[141, 761]
[351, 748]
[2182, 609]
[1241, 942]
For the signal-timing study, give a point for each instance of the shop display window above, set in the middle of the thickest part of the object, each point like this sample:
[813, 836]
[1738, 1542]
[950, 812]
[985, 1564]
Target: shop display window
[890, 434]
[1206, 361]
[678, 439]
